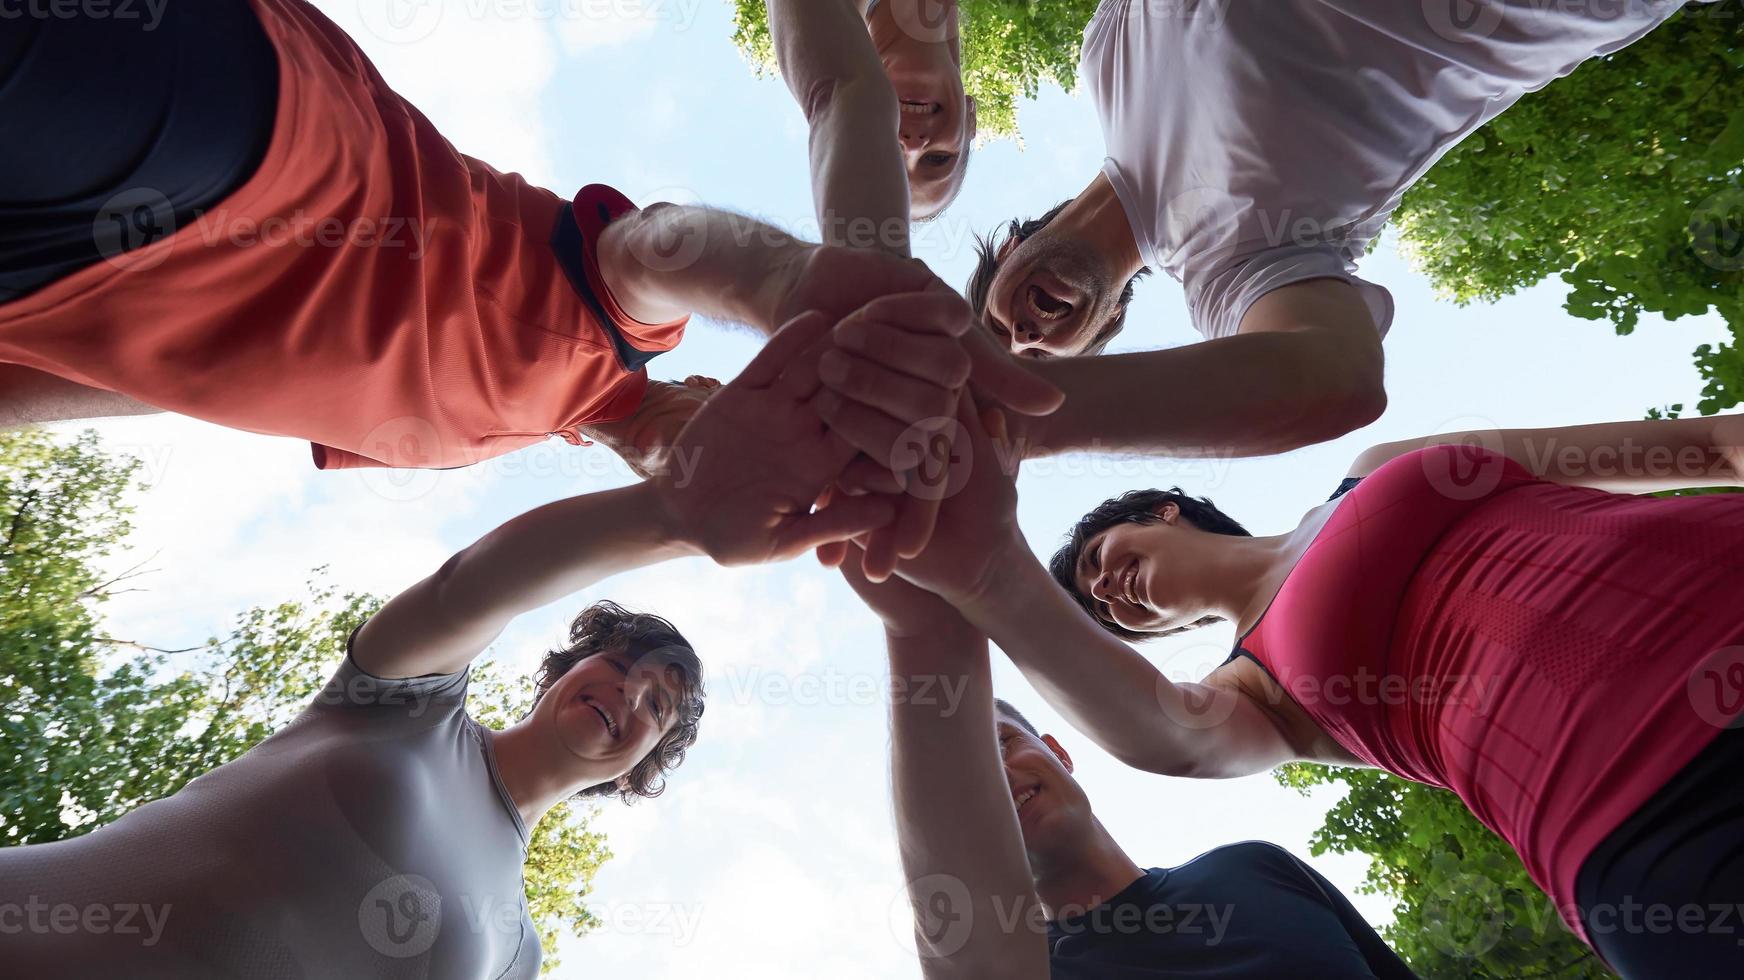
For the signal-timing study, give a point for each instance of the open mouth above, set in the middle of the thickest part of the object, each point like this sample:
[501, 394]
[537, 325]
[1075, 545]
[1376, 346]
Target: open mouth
[1044, 305]
[605, 716]
[910, 107]
[1129, 584]
[1023, 798]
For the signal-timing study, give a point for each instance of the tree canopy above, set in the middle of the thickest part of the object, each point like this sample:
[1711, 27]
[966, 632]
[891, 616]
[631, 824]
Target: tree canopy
[94, 725]
[1463, 904]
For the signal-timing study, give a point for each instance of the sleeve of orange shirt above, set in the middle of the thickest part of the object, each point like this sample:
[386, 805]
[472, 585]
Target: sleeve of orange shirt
[635, 342]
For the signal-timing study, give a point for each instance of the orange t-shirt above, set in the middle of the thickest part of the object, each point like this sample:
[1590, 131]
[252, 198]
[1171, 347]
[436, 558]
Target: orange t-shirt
[369, 289]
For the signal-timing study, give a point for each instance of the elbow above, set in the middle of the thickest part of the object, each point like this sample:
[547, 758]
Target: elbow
[1340, 398]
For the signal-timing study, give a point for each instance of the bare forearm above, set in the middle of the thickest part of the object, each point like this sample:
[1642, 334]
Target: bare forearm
[1111, 693]
[1645, 456]
[32, 397]
[956, 826]
[439, 624]
[672, 260]
[859, 187]
[561, 548]
[1248, 395]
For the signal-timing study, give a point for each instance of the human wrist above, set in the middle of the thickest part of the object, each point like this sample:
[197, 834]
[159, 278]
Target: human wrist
[788, 265]
[672, 525]
[983, 601]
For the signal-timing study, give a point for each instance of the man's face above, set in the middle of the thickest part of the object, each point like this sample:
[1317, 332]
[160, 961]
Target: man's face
[1052, 810]
[1052, 296]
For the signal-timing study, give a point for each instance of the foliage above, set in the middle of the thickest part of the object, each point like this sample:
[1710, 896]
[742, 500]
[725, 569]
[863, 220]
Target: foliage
[1464, 906]
[1010, 47]
[93, 726]
[1624, 178]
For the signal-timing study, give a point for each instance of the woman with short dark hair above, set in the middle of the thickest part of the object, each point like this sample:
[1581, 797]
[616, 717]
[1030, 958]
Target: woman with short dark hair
[1495, 613]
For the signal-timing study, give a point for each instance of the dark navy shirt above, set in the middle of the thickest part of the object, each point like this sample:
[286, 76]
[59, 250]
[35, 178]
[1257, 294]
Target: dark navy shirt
[1249, 911]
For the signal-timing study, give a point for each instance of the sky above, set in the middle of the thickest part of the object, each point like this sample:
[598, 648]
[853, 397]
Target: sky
[772, 855]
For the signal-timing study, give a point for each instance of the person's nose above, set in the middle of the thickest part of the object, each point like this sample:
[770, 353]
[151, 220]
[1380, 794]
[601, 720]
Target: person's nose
[915, 139]
[1103, 588]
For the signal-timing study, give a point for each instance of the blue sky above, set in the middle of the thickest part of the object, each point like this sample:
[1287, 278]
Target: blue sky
[773, 854]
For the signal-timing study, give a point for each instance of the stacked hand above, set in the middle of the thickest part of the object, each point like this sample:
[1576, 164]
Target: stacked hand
[755, 457]
[905, 347]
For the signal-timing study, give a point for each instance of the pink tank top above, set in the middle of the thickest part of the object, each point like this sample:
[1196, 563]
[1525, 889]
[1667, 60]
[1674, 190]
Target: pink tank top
[1548, 653]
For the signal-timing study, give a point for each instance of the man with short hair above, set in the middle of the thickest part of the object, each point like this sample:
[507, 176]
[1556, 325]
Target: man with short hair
[1255, 151]
[1013, 876]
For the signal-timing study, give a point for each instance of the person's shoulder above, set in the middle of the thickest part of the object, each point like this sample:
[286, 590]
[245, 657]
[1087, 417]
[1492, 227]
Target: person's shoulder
[1248, 853]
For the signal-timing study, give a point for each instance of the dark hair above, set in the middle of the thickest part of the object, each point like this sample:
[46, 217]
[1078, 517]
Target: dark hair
[1135, 507]
[606, 627]
[1004, 707]
[987, 267]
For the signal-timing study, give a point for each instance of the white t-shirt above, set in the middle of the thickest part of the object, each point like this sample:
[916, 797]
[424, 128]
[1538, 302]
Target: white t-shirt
[1258, 143]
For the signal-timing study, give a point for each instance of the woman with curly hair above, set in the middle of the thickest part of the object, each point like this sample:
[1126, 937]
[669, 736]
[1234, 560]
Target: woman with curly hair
[382, 832]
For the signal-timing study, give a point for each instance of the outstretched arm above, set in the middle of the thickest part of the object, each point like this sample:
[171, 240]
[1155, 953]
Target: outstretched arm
[955, 823]
[1110, 692]
[979, 562]
[755, 460]
[32, 397]
[1644, 456]
[1305, 368]
[669, 260]
[859, 185]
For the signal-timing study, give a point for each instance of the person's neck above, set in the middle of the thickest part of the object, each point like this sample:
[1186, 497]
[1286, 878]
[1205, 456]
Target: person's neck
[1241, 574]
[1097, 218]
[1085, 877]
[535, 783]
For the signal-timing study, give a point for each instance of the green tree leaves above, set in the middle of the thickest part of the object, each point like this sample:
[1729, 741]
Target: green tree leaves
[1464, 906]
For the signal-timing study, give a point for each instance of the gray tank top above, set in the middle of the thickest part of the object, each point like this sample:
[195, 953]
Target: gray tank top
[371, 837]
